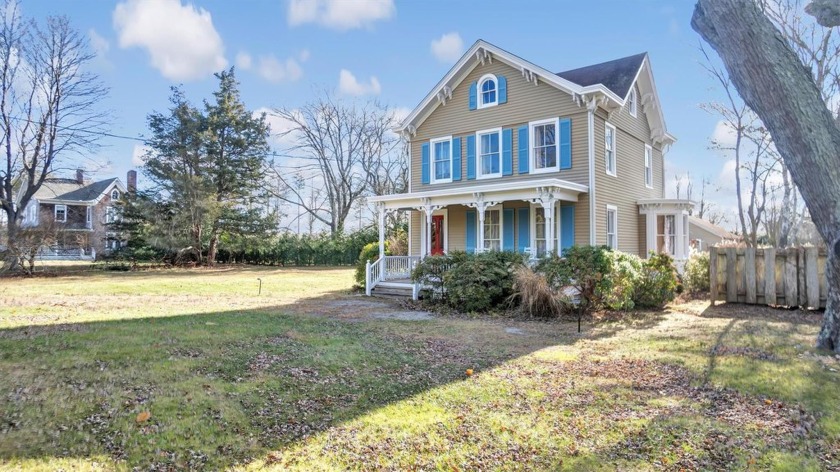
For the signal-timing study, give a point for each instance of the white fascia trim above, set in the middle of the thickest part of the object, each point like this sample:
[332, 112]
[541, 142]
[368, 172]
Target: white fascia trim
[478, 134]
[408, 143]
[570, 187]
[532, 161]
[500, 54]
[614, 143]
[432, 180]
[480, 104]
[648, 152]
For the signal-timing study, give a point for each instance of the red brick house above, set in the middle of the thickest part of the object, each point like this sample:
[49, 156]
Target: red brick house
[80, 211]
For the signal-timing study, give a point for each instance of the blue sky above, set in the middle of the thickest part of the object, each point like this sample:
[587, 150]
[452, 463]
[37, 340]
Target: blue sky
[286, 51]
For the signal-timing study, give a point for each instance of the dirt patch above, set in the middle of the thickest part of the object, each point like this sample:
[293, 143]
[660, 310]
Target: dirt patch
[404, 316]
[743, 351]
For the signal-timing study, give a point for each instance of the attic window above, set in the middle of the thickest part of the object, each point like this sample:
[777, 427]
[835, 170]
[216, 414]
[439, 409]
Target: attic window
[61, 213]
[631, 102]
[115, 194]
[488, 91]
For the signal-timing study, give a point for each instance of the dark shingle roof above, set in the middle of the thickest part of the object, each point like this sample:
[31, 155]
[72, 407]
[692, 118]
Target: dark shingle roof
[616, 75]
[71, 190]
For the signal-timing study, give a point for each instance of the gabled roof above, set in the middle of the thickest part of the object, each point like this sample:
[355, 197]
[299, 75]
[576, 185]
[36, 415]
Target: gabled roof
[602, 83]
[713, 228]
[617, 75]
[70, 190]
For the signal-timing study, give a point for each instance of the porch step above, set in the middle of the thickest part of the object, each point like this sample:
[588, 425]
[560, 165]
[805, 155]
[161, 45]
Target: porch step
[391, 291]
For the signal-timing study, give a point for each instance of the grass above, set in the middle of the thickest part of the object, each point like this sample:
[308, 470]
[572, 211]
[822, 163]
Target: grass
[307, 376]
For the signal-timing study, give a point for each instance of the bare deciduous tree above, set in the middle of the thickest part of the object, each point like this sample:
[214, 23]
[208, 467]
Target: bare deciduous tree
[773, 81]
[48, 108]
[349, 149]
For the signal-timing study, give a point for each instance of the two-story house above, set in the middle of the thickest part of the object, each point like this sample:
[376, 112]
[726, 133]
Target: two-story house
[507, 155]
[79, 212]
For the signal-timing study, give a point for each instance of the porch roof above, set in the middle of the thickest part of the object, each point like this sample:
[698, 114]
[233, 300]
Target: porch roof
[659, 205]
[501, 191]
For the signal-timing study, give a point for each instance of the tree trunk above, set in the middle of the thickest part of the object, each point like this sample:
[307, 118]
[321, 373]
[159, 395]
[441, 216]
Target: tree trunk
[10, 259]
[773, 82]
[212, 249]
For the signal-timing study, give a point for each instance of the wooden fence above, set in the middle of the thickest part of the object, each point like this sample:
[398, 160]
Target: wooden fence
[793, 277]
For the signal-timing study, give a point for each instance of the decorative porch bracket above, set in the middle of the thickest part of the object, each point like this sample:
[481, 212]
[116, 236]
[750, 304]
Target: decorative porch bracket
[481, 205]
[428, 208]
[546, 199]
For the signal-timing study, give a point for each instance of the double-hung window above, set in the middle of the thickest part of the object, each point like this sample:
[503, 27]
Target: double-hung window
[489, 153]
[648, 166]
[110, 214]
[88, 216]
[61, 213]
[609, 148]
[544, 150]
[488, 91]
[493, 230]
[442, 160]
[612, 227]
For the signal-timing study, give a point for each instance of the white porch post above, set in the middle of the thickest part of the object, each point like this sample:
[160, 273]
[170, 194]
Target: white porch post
[650, 232]
[546, 198]
[679, 250]
[426, 242]
[481, 207]
[381, 208]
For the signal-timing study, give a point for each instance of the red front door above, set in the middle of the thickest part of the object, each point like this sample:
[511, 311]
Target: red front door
[437, 235]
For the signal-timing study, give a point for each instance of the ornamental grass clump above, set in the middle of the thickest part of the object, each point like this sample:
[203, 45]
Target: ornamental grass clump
[534, 294]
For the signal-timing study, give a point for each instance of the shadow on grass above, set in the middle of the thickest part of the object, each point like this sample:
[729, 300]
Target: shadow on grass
[224, 388]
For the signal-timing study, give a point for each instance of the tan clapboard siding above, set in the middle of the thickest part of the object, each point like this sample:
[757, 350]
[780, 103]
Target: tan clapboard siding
[582, 220]
[415, 232]
[628, 186]
[457, 227]
[642, 235]
[637, 126]
[526, 102]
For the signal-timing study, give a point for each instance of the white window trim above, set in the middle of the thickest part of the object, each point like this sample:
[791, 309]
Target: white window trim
[531, 144]
[500, 208]
[634, 103]
[115, 191]
[614, 209]
[614, 172]
[478, 99]
[55, 213]
[423, 241]
[432, 178]
[89, 216]
[478, 135]
[648, 165]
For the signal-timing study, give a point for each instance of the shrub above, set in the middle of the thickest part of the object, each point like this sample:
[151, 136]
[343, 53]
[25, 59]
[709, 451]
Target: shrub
[696, 276]
[370, 252]
[625, 275]
[429, 272]
[480, 282]
[584, 268]
[658, 283]
[534, 293]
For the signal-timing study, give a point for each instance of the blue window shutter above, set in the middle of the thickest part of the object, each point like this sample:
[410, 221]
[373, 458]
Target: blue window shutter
[523, 149]
[425, 170]
[471, 231]
[507, 151]
[524, 223]
[507, 230]
[567, 226]
[502, 89]
[471, 157]
[456, 158]
[565, 143]
[473, 95]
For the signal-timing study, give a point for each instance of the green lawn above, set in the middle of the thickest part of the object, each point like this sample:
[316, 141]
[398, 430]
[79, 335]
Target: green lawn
[309, 376]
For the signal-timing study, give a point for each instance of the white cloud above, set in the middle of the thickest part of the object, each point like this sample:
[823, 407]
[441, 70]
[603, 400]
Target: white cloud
[280, 128]
[273, 70]
[181, 40]
[349, 85]
[304, 55]
[448, 48]
[340, 14]
[400, 113]
[138, 154]
[724, 135]
[100, 45]
[243, 60]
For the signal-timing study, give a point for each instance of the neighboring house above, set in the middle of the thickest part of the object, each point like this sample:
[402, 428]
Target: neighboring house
[704, 234]
[79, 212]
[506, 155]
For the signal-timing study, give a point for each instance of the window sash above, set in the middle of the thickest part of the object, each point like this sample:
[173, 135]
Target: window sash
[488, 92]
[61, 210]
[611, 229]
[648, 167]
[545, 145]
[609, 148]
[493, 230]
[489, 154]
[442, 160]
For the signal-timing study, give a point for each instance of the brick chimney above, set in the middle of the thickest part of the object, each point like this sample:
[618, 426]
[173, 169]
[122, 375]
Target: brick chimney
[131, 181]
[80, 176]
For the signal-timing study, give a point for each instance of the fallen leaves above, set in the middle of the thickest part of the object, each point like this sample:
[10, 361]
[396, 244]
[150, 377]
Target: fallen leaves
[143, 416]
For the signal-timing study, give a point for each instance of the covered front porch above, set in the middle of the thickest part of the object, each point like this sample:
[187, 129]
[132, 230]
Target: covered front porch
[536, 217]
[666, 227]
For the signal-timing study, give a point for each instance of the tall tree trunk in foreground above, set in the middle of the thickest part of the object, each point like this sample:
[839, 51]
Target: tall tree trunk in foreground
[774, 83]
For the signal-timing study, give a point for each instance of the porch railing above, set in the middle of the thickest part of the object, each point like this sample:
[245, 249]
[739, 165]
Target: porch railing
[388, 268]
